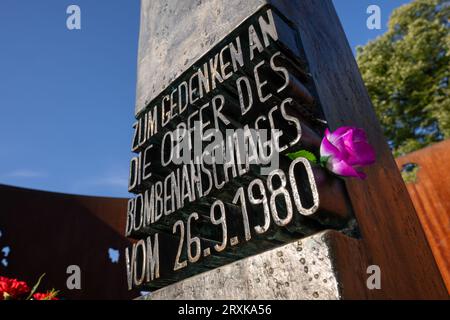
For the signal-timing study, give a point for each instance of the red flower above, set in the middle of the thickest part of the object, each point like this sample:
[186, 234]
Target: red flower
[51, 295]
[12, 288]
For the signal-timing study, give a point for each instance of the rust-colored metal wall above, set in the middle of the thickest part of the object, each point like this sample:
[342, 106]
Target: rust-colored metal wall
[47, 232]
[431, 197]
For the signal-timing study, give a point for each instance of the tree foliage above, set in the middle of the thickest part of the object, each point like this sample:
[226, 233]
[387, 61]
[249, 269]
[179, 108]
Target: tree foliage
[407, 72]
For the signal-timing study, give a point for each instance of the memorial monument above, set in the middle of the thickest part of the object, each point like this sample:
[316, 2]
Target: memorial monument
[226, 91]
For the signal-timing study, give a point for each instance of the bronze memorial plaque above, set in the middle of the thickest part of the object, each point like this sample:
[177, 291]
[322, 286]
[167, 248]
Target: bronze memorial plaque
[212, 179]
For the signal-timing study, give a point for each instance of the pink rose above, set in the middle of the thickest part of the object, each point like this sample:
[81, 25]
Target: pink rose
[345, 150]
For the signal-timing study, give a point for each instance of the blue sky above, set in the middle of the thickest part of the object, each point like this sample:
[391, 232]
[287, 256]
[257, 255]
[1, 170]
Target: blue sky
[67, 97]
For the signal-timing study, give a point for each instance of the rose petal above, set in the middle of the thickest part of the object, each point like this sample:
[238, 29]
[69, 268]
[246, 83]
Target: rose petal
[347, 148]
[342, 145]
[359, 135]
[340, 167]
[361, 154]
[328, 150]
[354, 147]
[338, 133]
[328, 134]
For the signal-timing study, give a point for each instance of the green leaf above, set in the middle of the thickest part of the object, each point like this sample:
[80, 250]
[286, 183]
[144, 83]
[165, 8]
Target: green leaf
[323, 161]
[35, 287]
[304, 154]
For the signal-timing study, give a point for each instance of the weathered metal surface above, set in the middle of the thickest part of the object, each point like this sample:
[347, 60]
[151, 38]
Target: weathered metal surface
[391, 234]
[430, 193]
[47, 232]
[395, 242]
[289, 104]
[165, 54]
[299, 270]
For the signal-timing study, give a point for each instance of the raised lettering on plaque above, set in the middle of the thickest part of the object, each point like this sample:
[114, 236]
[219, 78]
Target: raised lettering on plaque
[211, 178]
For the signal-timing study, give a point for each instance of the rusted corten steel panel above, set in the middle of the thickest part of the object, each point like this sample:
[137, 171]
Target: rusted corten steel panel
[431, 197]
[47, 232]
